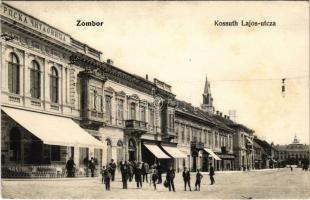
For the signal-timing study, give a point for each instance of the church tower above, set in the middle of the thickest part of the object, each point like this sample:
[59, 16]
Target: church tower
[207, 100]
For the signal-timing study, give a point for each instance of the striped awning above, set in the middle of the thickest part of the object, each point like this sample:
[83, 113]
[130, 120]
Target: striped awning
[156, 151]
[212, 154]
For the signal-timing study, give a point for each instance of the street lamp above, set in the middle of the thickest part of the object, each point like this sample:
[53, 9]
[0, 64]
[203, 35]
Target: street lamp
[283, 87]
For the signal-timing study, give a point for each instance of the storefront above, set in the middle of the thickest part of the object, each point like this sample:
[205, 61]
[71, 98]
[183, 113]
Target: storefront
[40, 144]
[153, 154]
[178, 157]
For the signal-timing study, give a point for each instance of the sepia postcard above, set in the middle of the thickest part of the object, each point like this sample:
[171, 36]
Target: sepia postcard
[155, 100]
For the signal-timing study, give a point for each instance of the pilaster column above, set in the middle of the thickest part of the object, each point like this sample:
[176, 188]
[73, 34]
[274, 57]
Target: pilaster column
[77, 156]
[4, 67]
[27, 74]
[139, 156]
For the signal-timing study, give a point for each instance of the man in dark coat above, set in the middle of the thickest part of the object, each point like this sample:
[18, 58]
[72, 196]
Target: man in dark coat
[70, 167]
[92, 166]
[198, 180]
[113, 169]
[170, 178]
[138, 174]
[145, 171]
[159, 171]
[186, 178]
[124, 171]
[212, 174]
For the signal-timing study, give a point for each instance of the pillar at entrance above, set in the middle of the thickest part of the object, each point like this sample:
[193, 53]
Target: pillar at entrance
[76, 156]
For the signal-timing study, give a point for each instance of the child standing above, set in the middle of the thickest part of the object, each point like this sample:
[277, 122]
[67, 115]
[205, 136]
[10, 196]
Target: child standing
[198, 180]
[154, 176]
[106, 176]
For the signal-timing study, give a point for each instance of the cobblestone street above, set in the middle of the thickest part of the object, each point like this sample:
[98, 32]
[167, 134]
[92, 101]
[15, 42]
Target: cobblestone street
[256, 184]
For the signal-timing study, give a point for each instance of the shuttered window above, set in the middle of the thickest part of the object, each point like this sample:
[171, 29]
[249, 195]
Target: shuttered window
[35, 80]
[54, 85]
[108, 107]
[13, 75]
[133, 111]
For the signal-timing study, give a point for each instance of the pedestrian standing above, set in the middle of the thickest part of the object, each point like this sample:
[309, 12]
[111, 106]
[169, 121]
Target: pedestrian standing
[187, 179]
[170, 178]
[154, 176]
[70, 166]
[113, 169]
[86, 165]
[145, 171]
[124, 172]
[92, 166]
[212, 174]
[138, 174]
[107, 177]
[102, 174]
[130, 166]
[159, 171]
[198, 180]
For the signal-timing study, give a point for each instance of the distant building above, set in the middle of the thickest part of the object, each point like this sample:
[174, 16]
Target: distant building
[260, 156]
[269, 158]
[203, 139]
[292, 154]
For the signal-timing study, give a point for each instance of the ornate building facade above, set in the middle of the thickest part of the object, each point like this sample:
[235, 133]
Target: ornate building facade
[59, 99]
[40, 98]
[56, 90]
[292, 154]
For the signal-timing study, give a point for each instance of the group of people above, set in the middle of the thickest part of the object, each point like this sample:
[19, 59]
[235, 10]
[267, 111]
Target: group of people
[140, 171]
[89, 164]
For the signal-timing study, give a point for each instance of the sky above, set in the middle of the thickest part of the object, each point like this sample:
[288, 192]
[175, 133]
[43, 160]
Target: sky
[178, 43]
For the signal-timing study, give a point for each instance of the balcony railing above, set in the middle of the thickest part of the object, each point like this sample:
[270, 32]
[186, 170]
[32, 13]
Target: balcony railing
[135, 125]
[170, 130]
[95, 116]
[197, 145]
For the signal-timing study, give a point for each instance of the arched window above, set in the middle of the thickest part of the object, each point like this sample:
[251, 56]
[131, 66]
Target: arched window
[54, 85]
[35, 80]
[119, 151]
[13, 76]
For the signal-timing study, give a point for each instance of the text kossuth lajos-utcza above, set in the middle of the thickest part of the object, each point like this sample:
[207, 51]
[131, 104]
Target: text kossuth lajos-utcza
[60, 99]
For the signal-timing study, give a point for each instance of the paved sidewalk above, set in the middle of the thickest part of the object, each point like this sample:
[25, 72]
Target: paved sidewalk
[254, 184]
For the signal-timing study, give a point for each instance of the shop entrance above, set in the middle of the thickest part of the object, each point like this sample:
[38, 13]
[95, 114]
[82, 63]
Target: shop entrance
[132, 150]
[15, 145]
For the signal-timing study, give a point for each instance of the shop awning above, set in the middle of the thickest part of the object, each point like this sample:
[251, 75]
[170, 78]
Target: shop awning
[248, 139]
[174, 152]
[212, 154]
[53, 130]
[156, 151]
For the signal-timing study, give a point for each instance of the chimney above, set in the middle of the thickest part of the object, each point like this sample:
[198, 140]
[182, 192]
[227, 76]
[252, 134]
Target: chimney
[147, 77]
[217, 112]
[220, 114]
[228, 117]
[109, 61]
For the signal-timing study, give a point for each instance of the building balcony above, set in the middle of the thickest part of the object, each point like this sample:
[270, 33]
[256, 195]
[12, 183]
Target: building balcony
[197, 145]
[93, 118]
[135, 126]
[170, 131]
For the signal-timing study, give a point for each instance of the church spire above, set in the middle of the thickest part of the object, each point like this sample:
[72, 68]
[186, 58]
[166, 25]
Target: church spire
[207, 100]
[207, 86]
